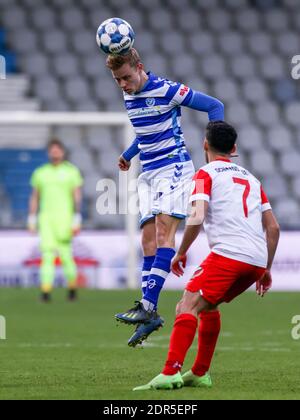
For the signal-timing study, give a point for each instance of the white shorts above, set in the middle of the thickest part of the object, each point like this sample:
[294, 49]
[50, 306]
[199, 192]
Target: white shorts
[165, 190]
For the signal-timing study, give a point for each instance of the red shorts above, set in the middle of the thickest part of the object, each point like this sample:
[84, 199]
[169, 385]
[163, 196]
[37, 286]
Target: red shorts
[220, 279]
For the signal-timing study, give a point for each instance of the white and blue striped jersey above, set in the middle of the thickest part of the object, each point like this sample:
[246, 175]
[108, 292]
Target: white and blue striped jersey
[155, 114]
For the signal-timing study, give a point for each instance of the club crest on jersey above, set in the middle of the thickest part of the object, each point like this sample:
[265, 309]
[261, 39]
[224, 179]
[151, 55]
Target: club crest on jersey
[150, 101]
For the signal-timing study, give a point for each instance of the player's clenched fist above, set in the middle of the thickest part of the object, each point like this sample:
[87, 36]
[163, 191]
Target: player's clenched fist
[32, 223]
[76, 225]
[264, 284]
[178, 264]
[124, 165]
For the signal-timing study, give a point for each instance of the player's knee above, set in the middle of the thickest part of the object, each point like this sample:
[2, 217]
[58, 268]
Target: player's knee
[162, 235]
[165, 232]
[161, 227]
[149, 244]
[204, 306]
[149, 247]
[185, 306]
[189, 303]
[149, 238]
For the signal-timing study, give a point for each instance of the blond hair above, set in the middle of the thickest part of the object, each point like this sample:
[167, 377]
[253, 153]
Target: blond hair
[116, 61]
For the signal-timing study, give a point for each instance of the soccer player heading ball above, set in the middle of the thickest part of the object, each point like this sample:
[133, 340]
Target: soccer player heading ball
[153, 105]
[235, 211]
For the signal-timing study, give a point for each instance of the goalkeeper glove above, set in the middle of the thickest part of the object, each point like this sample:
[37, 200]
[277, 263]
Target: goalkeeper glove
[77, 221]
[32, 222]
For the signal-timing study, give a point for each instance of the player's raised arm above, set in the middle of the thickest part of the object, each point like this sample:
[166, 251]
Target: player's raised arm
[205, 103]
[184, 96]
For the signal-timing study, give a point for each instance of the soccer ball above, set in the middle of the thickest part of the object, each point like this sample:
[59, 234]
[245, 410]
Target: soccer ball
[115, 36]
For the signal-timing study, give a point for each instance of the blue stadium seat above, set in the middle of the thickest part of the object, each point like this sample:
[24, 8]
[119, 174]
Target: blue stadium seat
[2, 39]
[237, 50]
[10, 57]
[16, 167]
[19, 206]
[265, 4]
[11, 61]
[16, 158]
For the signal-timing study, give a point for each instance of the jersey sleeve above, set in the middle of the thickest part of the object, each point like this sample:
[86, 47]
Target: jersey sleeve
[179, 94]
[201, 102]
[265, 205]
[35, 180]
[202, 186]
[132, 151]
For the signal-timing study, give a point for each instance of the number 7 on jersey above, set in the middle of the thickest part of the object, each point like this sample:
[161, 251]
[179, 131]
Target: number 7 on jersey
[246, 184]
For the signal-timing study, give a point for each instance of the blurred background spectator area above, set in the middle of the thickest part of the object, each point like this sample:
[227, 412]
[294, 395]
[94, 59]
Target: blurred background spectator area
[237, 50]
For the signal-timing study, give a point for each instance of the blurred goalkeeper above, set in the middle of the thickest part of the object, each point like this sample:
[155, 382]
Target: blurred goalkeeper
[55, 212]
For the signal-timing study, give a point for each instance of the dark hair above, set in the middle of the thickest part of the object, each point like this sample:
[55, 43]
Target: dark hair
[116, 61]
[221, 136]
[55, 142]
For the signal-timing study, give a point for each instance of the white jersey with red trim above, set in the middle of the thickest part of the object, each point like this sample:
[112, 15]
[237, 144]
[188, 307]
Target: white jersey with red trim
[234, 220]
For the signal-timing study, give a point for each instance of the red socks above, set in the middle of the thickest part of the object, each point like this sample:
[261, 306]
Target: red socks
[209, 329]
[182, 337]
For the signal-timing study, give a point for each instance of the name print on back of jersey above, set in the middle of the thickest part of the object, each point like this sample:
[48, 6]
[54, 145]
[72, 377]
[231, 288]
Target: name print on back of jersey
[232, 168]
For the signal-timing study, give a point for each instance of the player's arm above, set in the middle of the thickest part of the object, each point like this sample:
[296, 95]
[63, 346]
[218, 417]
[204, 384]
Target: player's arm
[181, 95]
[33, 210]
[191, 232]
[77, 219]
[272, 230]
[193, 225]
[200, 197]
[130, 153]
[205, 103]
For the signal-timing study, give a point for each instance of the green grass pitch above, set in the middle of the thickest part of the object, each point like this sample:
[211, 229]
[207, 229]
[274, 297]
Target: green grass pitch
[76, 351]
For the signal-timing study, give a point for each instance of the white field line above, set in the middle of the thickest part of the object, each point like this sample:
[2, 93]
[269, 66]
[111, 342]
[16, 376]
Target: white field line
[274, 332]
[162, 342]
[150, 345]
